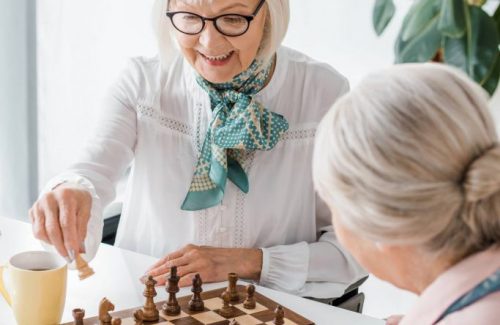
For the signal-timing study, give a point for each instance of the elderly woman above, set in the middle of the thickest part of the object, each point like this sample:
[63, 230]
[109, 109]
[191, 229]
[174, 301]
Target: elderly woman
[409, 163]
[219, 130]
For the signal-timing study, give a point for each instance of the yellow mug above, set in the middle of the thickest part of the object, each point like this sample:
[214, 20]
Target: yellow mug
[34, 285]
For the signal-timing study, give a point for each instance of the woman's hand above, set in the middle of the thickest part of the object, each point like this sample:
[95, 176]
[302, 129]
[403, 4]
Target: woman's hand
[394, 320]
[60, 218]
[212, 263]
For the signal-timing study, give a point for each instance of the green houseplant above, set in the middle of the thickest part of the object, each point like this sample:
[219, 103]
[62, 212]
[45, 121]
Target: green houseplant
[456, 32]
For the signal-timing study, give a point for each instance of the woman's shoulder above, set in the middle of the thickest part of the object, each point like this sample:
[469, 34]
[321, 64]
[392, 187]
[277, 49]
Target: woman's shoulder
[144, 77]
[315, 71]
[484, 311]
[301, 79]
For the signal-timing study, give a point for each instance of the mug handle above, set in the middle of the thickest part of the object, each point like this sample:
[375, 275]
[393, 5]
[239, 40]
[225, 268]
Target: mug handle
[3, 291]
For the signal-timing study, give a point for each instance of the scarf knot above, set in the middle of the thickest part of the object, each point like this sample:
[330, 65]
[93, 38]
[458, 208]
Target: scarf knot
[239, 123]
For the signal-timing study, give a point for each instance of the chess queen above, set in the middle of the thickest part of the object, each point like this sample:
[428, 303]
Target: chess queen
[218, 132]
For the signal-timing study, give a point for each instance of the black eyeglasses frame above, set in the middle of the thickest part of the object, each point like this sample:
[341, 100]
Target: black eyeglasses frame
[171, 14]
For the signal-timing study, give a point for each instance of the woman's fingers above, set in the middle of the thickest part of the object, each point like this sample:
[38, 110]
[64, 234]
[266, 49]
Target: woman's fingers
[67, 221]
[172, 256]
[165, 268]
[82, 220]
[38, 223]
[186, 280]
[60, 218]
[160, 270]
[52, 226]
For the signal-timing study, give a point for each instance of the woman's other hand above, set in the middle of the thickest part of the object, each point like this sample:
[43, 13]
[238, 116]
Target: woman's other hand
[212, 263]
[60, 218]
[394, 320]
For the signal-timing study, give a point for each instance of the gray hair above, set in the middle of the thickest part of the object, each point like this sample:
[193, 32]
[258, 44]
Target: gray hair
[411, 157]
[275, 29]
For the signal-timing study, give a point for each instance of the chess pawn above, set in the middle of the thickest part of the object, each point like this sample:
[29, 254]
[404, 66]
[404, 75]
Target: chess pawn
[250, 300]
[78, 316]
[84, 270]
[231, 289]
[171, 307]
[226, 310]
[138, 317]
[196, 303]
[149, 310]
[279, 318]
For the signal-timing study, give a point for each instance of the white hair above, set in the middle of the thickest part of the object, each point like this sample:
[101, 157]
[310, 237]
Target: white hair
[410, 156]
[275, 29]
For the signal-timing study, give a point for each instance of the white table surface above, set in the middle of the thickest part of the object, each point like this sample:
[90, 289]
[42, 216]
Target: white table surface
[117, 273]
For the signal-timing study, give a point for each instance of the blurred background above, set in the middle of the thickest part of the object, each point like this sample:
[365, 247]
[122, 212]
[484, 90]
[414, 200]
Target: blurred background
[58, 57]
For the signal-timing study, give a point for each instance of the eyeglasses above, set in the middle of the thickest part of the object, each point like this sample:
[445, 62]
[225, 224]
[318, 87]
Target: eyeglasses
[229, 24]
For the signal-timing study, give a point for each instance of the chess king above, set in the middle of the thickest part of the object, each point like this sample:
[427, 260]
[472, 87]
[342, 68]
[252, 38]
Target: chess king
[219, 130]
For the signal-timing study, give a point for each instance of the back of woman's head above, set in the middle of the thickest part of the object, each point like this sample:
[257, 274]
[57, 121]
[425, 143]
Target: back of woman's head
[411, 157]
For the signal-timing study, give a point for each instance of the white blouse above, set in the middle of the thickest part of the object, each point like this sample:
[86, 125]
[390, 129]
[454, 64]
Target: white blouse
[155, 121]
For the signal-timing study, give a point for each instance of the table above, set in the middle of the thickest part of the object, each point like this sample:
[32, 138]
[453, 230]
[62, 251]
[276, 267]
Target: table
[117, 277]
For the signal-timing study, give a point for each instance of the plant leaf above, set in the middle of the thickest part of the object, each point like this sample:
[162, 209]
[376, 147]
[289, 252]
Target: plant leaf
[476, 52]
[496, 16]
[452, 22]
[491, 83]
[382, 15]
[419, 16]
[422, 46]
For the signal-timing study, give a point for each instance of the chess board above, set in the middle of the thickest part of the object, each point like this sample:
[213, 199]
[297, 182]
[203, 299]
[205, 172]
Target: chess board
[263, 314]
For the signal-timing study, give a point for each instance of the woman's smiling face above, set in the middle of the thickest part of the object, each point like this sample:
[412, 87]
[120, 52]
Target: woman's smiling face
[216, 57]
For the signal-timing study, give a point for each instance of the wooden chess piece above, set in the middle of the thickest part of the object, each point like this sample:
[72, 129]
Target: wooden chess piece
[250, 300]
[232, 278]
[116, 321]
[149, 310]
[78, 316]
[138, 317]
[196, 303]
[84, 270]
[171, 307]
[279, 318]
[105, 306]
[226, 310]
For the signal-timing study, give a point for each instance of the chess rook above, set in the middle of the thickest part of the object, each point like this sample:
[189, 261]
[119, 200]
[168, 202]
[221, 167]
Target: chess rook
[78, 315]
[172, 308]
[232, 278]
[149, 310]
[196, 303]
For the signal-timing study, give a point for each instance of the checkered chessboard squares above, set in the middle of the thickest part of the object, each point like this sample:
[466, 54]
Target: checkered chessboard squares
[260, 315]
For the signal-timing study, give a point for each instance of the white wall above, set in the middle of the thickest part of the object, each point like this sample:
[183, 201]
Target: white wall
[18, 173]
[82, 47]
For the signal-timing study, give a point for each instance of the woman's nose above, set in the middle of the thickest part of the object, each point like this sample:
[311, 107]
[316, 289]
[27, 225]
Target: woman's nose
[210, 36]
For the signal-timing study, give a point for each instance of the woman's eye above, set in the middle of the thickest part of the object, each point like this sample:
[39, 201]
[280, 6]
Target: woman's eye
[187, 17]
[233, 20]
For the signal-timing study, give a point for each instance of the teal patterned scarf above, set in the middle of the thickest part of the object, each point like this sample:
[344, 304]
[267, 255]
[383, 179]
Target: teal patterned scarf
[239, 124]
